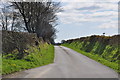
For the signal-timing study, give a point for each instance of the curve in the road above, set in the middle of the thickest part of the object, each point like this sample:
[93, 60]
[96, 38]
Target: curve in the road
[68, 64]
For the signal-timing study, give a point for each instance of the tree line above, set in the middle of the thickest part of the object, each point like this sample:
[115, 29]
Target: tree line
[32, 17]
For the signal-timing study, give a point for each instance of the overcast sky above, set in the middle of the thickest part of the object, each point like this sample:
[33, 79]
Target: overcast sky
[87, 17]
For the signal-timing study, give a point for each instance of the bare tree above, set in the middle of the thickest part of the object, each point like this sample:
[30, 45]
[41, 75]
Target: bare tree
[4, 16]
[10, 19]
[39, 17]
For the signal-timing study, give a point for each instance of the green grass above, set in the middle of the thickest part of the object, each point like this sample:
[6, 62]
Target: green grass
[38, 56]
[0, 64]
[95, 57]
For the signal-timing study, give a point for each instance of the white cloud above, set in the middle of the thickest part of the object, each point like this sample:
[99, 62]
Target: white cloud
[104, 16]
[72, 17]
[78, 12]
[113, 24]
[88, 0]
[89, 5]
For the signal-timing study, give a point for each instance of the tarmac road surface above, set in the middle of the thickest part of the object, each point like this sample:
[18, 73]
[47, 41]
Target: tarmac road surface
[68, 64]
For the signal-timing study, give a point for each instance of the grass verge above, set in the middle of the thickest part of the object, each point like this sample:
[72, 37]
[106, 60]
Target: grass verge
[96, 57]
[38, 56]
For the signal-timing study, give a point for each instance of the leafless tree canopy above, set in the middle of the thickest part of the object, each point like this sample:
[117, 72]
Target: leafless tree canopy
[39, 17]
[10, 19]
[34, 17]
